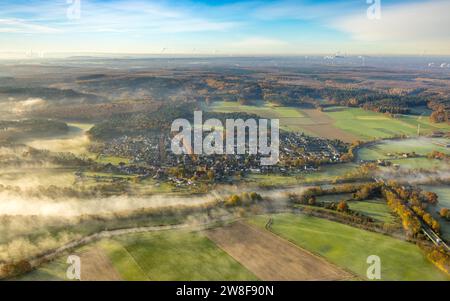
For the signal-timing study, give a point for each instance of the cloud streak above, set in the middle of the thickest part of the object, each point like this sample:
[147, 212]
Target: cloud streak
[115, 16]
[22, 26]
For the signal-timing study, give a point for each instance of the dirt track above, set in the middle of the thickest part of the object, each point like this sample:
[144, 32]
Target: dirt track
[270, 257]
[96, 266]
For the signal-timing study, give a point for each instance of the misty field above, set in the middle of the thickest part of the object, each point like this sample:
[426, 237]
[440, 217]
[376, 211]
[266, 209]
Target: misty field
[349, 247]
[35, 176]
[75, 141]
[422, 163]
[421, 146]
[368, 125]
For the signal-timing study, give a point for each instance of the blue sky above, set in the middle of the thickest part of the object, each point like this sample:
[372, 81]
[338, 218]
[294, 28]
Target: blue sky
[225, 27]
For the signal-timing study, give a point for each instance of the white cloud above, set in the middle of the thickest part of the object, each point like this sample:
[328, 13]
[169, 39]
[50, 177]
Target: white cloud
[410, 22]
[21, 26]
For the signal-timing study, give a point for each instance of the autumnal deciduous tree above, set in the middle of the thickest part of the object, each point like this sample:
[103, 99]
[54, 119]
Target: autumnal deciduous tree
[438, 116]
[431, 197]
[342, 206]
[445, 213]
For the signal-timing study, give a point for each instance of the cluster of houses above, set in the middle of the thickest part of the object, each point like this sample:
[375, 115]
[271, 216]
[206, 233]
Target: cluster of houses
[151, 156]
[311, 149]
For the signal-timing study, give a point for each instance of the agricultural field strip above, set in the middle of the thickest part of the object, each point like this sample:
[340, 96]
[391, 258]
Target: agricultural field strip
[317, 235]
[135, 261]
[351, 274]
[260, 251]
[310, 121]
[97, 266]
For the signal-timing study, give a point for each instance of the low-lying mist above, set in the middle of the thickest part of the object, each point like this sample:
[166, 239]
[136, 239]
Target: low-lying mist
[31, 176]
[76, 142]
[16, 205]
[417, 176]
[24, 203]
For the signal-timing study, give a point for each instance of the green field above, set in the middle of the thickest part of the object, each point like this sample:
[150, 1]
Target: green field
[114, 160]
[265, 109]
[332, 173]
[291, 118]
[368, 125]
[327, 173]
[330, 198]
[175, 255]
[123, 262]
[377, 209]
[392, 148]
[349, 247]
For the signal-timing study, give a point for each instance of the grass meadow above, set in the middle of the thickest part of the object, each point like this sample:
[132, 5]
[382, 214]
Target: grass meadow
[368, 125]
[177, 255]
[376, 209]
[349, 247]
[173, 255]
